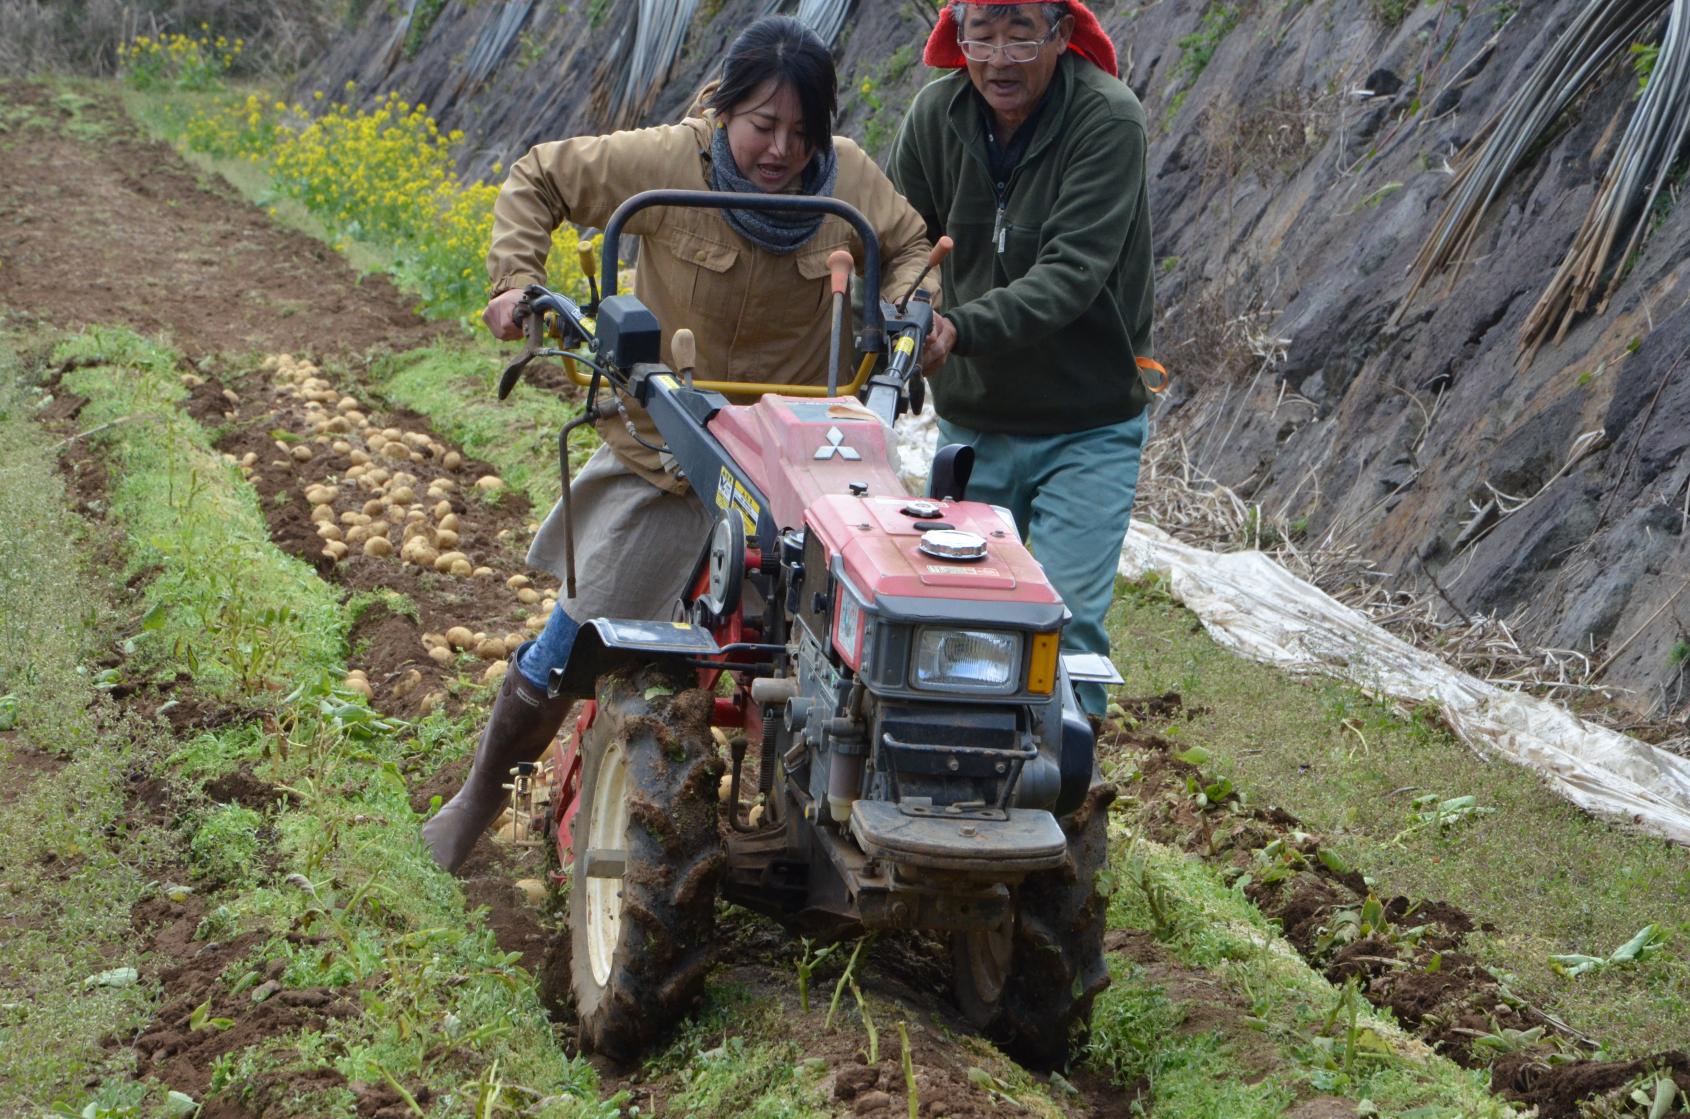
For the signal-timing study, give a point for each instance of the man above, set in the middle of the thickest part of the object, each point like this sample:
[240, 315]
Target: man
[1031, 157]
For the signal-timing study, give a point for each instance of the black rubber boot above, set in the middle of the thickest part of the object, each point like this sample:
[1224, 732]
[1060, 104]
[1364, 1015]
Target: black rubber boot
[523, 723]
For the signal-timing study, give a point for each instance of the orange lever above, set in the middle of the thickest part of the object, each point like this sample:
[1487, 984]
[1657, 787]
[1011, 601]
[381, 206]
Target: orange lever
[939, 252]
[840, 264]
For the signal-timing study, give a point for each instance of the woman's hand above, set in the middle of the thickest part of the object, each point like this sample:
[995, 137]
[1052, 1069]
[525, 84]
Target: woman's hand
[937, 348]
[499, 317]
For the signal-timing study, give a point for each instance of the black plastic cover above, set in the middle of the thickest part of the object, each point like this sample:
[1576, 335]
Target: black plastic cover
[628, 332]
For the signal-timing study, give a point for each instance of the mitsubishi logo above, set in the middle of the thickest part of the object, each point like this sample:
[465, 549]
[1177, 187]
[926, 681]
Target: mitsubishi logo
[836, 446]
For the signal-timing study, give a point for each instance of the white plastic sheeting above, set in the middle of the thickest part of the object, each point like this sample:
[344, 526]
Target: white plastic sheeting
[1255, 607]
[1252, 605]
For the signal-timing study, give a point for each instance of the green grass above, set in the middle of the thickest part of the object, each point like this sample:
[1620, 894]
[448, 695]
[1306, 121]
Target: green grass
[51, 594]
[453, 384]
[66, 885]
[335, 852]
[1208, 926]
[1548, 877]
[241, 617]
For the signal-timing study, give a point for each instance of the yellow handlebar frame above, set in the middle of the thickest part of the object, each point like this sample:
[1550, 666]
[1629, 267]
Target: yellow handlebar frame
[745, 388]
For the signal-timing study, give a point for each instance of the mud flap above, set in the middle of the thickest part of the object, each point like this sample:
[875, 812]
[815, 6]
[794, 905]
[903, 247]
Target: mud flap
[604, 644]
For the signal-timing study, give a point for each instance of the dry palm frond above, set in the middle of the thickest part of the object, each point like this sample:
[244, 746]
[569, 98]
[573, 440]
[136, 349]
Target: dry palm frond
[1603, 30]
[1177, 498]
[639, 60]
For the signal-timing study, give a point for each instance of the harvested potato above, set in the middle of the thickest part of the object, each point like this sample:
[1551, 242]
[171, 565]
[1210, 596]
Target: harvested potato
[407, 684]
[488, 483]
[483, 572]
[450, 522]
[445, 560]
[231, 396]
[431, 702]
[192, 380]
[419, 551]
[375, 507]
[353, 517]
[378, 546]
[414, 515]
[346, 404]
[459, 637]
[518, 581]
[378, 475]
[335, 550]
[495, 672]
[301, 453]
[328, 530]
[441, 655]
[444, 538]
[435, 493]
[430, 640]
[358, 684]
[452, 461]
[534, 623]
[355, 535]
[417, 439]
[414, 529]
[528, 596]
[340, 446]
[442, 509]
[391, 433]
[490, 648]
[359, 458]
[249, 459]
[321, 513]
[321, 495]
[401, 495]
[534, 890]
[340, 425]
[460, 568]
[513, 641]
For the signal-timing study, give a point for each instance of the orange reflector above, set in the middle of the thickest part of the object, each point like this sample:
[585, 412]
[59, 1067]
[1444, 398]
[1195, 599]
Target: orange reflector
[1041, 667]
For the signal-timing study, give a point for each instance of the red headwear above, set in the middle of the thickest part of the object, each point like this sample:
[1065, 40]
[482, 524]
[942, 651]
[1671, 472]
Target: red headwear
[1088, 40]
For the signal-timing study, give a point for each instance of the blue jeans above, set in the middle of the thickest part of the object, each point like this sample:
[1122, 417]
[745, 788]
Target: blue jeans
[536, 659]
[1071, 496]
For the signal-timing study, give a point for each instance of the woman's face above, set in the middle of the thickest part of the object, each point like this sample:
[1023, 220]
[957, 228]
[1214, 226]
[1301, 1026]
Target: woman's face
[766, 137]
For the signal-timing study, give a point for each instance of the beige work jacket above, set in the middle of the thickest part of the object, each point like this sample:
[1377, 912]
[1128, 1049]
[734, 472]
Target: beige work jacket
[756, 316]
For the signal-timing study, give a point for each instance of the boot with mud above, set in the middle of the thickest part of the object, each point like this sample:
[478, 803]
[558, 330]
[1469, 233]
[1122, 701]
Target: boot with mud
[522, 724]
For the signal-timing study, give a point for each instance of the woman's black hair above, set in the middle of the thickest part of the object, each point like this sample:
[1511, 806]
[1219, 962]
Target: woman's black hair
[781, 49]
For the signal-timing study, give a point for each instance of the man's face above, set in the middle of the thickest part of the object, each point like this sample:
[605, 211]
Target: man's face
[1012, 89]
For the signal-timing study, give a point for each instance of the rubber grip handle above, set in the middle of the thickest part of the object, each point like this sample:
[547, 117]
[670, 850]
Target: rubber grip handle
[939, 252]
[840, 264]
[684, 349]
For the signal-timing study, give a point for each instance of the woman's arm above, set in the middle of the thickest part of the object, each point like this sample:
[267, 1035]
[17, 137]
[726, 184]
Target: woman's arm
[580, 180]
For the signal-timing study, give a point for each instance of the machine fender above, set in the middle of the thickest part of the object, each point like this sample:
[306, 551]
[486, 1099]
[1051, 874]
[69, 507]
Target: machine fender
[605, 644]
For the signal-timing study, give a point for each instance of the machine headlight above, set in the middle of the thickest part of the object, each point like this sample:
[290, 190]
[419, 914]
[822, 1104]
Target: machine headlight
[967, 659]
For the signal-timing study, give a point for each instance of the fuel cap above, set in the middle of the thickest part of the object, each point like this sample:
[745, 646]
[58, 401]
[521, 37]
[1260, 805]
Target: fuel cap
[953, 544]
[922, 510]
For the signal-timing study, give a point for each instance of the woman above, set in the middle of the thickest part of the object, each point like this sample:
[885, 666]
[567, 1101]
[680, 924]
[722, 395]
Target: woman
[753, 289]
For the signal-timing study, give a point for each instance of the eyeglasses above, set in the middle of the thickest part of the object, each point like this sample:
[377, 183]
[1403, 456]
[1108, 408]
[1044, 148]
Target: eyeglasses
[1022, 51]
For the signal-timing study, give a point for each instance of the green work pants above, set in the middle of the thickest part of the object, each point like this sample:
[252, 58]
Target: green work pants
[1071, 496]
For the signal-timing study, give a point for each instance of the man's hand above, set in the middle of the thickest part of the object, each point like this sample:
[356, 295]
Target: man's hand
[937, 348]
[499, 318]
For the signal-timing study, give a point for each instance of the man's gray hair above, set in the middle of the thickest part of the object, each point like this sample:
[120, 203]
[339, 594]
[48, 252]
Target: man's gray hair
[1054, 10]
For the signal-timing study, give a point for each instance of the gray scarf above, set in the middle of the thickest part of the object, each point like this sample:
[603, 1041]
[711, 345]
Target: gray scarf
[780, 233]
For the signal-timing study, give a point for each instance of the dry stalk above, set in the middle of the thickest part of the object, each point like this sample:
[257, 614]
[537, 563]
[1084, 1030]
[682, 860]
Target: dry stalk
[1177, 497]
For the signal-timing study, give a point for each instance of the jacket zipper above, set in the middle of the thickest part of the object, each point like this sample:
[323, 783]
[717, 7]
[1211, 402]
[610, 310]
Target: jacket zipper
[1000, 230]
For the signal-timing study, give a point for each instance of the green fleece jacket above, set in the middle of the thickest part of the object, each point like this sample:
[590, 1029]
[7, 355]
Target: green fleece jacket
[1050, 284]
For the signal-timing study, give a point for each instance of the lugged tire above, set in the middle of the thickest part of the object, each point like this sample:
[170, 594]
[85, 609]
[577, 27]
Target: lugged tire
[658, 956]
[1056, 968]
